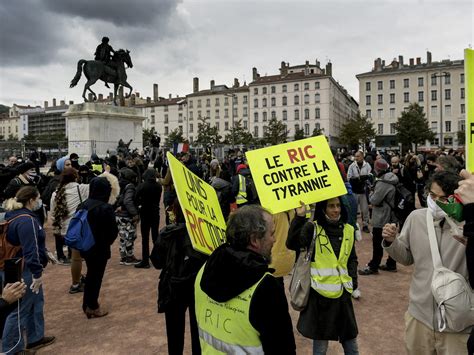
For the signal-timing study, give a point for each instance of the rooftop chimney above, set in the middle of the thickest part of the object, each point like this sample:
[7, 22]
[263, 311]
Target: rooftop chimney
[418, 61]
[412, 62]
[236, 83]
[54, 101]
[46, 104]
[148, 100]
[317, 63]
[329, 69]
[428, 57]
[378, 64]
[101, 97]
[132, 100]
[71, 102]
[212, 84]
[155, 92]
[137, 94]
[63, 103]
[195, 85]
[306, 68]
[254, 74]
[400, 60]
[170, 96]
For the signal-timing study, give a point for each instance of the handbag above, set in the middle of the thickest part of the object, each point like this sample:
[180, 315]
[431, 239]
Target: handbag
[301, 280]
[452, 293]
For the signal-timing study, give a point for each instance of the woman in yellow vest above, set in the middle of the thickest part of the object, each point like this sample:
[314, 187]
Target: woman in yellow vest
[329, 314]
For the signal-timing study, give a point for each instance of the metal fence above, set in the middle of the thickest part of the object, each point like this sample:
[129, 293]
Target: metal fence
[52, 149]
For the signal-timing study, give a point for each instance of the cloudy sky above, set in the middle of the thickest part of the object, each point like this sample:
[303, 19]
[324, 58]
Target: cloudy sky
[172, 41]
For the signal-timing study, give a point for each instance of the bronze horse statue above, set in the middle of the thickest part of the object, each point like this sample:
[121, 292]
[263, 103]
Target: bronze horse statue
[113, 73]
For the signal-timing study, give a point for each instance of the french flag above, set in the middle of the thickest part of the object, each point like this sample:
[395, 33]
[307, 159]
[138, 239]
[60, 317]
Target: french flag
[180, 148]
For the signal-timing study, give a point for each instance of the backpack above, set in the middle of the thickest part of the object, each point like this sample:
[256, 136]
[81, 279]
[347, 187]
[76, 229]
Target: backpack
[252, 195]
[79, 233]
[7, 249]
[404, 202]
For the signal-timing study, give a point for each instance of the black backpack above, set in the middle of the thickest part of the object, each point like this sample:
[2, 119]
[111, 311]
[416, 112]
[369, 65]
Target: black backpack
[404, 202]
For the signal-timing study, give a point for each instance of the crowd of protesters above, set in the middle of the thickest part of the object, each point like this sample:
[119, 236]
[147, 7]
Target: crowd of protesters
[125, 190]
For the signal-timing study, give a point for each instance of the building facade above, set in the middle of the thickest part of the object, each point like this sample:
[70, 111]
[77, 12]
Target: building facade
[10, 122]
[387, 90]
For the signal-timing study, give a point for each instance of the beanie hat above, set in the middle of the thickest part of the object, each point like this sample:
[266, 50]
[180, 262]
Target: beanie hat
[240, 167]
[380, 165]
[23, 168]
[60, 163]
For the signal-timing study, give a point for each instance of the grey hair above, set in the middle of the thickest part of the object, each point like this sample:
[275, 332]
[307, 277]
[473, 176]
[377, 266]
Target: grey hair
[246, 223]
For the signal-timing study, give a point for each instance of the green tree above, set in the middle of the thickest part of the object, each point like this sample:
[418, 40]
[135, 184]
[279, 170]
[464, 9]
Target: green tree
[175, 136]
[238, 135]
[275, 133]
[317, 132]
[147, 135]
[299, 134]
[207, 135]
[357, 131]
[413, 127]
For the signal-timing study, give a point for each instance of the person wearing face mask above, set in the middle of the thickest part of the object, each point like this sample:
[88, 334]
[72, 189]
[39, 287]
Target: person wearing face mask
[26, 231]
[27, 176]
[329, 314]
[412, 246]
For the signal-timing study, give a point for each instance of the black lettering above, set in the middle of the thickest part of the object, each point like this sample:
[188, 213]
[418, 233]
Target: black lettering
[267, 182]
[301, 188]
[298, 172]
[282, 176]
[208, 315]
[325, 166]
[316, 168]
[304, 170]
[292, 190]
[326, 242]
[324, 180]
[472, 131]
[225, 327]
[315, 184]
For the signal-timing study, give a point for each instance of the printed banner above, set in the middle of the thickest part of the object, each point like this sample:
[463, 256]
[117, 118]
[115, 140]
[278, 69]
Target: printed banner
[200, 206]
[469, 80]
[303, 170]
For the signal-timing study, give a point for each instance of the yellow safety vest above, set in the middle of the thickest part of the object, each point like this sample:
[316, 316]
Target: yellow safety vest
[329, 275]
[97, 167]
[225, 328]
[242, 195]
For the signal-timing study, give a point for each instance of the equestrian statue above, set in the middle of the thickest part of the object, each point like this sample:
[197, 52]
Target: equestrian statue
[105, 68]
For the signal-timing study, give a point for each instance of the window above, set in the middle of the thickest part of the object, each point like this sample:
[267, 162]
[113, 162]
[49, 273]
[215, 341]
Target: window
[447, 110]
[199, 114]
[406, 83]
[461, 125]
[447, 94]
[447, 79]
[226, 101]
[166, 108]
[392, 128]
[448, 141]
[306, 129]
[245, 125]
[191, 128]
[392, 113]
[234, 112]
[264, 116]
[273, 101]
[380, 128]
[297, 114]
[208, 102]
[380, 85]
[380, 99]
[255, 131]
[420, 96]
[166, 119]
[434, 110]
[435, 141]
[367, 100]
[463, 108]
[284, 101]
[367, 86]
[462, 93]
[217, 101]
[316, 85]
[368, 113]
[217, 113]
[297, 100]
[306, 86]
[317, 113]
[284, 88]
[208, 113]
[462, 78]
[317, 126]
[180, 118]
[392, 98]
[255, 91]
[297, 127]
[380, 113]
[217, 125]
[166, 130]
[306, 99]
[392, 84]
[420, 81]
[190, 103]
[447, 125]
[180, 128]
[264, 91]
[226, 113]
[255, 102]
[273, 89]
[306, 113]
[152, 119]
[434, 95]
[285, 115]
[226, 126]
[264, 102]
[235, 99]
[297, 87]
[274, 114]
[433, 80]
[255, 116]
[199, 103]
[245, 99]
[245, 111]
[317, 98]
[191, 115]
[434, 126]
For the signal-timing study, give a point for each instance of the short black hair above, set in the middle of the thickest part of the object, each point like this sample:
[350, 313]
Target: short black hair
[447, 180]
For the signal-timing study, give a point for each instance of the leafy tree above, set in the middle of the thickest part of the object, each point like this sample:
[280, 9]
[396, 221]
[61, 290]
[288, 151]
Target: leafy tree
[12, 137]
[238, 135]
[147, 135]
[275, 133]
[357, 131]
[299, 134]
[175, 136]
[4, 109]
[413, 127]
[317, 132]
[207, 135]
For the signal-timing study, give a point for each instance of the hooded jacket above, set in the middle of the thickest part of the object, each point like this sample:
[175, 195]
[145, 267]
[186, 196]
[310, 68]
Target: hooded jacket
[127, 203]
[229, 272]
[148, 195]
[382, 198]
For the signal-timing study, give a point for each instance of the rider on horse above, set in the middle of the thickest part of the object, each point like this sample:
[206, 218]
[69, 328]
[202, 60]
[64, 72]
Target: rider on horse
[102, 53]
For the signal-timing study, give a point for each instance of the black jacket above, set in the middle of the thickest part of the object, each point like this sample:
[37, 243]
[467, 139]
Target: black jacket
[148, 196]
[229, 272]
[101, 218]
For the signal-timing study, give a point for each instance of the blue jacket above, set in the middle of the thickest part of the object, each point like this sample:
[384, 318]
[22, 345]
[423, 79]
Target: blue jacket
[28, 232]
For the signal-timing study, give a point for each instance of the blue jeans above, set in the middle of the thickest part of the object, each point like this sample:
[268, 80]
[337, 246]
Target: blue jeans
[31, 319]
[320, 347]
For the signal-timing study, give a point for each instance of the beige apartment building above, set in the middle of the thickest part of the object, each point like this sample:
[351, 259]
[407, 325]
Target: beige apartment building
[387, 90]
[303, 97]
[10, 122]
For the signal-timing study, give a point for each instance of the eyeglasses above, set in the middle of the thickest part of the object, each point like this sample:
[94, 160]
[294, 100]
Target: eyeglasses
[435, 197]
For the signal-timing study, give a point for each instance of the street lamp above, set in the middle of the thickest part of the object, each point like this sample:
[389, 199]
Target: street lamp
[232, 118]
[441, 75]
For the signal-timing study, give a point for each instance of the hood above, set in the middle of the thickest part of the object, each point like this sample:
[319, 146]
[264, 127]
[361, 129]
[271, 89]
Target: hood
[389, 178]
[114, 183]
[128, 174]
[219, 183]
[100, 189]
[149, 175]
[14, 213]
[229, 272]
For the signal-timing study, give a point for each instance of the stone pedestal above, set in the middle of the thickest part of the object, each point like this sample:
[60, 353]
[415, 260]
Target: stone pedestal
[97, 128]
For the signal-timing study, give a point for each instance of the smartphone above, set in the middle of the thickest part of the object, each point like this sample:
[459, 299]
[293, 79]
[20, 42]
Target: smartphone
[13, 270]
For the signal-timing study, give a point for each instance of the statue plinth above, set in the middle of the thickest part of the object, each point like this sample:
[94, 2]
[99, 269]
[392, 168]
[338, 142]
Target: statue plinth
[97, 128]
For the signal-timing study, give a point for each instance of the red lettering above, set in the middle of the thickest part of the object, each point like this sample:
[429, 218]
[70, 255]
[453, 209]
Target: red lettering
[196, 231]
[201, 221]
[292, 153]
[300, 154]
[311, 156]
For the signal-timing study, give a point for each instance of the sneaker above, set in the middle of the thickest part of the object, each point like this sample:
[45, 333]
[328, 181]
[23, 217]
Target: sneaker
[389, 269]
[76, 288]
[64, 261]
[83, 280]
[368, 271]
[51, 257]
[122, 261]
[365, 229]
[356, 294]
[142, 265]
[41, 343]
[131, 260]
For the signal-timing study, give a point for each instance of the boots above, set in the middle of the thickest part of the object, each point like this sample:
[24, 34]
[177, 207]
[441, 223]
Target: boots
[95, 313]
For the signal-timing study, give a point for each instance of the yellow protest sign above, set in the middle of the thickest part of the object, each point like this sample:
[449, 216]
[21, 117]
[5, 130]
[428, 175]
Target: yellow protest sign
[469, 80]
[204, 220]
[303, 170]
